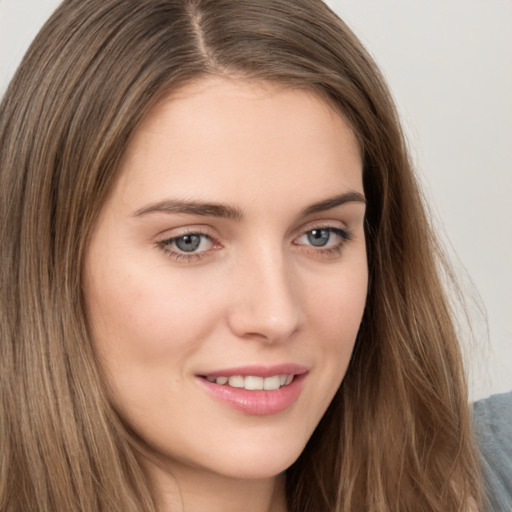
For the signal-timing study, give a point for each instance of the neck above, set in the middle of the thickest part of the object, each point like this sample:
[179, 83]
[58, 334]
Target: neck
[189, 489]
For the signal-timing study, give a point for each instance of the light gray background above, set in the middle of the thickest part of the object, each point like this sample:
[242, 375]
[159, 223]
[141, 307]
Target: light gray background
[449, 65]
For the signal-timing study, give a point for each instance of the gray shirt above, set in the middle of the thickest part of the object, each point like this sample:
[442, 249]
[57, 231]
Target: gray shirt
[492, 421]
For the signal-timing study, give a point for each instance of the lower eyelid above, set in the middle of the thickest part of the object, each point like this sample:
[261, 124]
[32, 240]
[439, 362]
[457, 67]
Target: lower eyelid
[181, 256]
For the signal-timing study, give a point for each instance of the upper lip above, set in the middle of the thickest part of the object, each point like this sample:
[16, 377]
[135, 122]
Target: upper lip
[258, 370]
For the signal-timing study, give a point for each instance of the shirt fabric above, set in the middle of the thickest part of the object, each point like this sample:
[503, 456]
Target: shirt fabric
[492, 421]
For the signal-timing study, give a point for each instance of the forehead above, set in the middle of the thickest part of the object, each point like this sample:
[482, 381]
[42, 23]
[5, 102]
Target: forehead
[234, 136]
[206, 105]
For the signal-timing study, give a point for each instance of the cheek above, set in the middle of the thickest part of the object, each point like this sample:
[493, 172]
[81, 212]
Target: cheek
[337, 306]
[141, 316]
[335, 313]
[146, 333]
[335, 309]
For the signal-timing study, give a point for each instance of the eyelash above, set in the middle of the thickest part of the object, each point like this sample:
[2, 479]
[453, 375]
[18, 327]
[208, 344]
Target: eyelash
[332, 251]
[180, 256]
[166, 245]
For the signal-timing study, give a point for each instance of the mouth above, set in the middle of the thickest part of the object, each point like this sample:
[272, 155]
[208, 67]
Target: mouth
[256, 390]
[253, 382]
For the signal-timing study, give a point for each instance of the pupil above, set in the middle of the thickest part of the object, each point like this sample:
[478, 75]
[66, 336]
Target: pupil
[318, 237]
[188, 243]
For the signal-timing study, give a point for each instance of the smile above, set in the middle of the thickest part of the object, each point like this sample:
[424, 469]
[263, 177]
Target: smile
[253, 382]
[256, 390]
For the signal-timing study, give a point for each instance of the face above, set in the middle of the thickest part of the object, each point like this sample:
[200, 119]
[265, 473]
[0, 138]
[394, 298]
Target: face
[226, 277]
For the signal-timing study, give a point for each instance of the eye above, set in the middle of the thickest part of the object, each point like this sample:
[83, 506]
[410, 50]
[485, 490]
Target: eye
[324, 237]
[319, 237]
[192, 242]
[324, 241]
[194, 245]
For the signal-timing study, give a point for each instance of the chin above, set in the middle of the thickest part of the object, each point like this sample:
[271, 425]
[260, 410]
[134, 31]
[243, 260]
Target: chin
[256, 459]
[261, 461]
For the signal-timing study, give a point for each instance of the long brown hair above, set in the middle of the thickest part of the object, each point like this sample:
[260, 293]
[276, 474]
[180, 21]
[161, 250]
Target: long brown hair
[397, 435]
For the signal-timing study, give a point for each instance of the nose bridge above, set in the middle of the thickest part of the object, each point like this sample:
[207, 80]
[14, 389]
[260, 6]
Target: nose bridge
[267, 304]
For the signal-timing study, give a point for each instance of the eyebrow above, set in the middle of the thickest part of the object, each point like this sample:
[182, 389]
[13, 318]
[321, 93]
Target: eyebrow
[234, 213]
[192, 208]
[333, 202]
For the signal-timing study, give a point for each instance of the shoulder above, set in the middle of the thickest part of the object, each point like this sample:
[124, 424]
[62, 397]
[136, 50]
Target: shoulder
[492, 422]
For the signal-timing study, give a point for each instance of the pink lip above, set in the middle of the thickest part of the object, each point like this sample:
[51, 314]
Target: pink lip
[259, 370]
[258, 402]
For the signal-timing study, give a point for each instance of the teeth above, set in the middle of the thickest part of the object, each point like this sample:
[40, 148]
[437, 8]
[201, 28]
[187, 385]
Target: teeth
[251, 382]
[271, 383]
[236, 381]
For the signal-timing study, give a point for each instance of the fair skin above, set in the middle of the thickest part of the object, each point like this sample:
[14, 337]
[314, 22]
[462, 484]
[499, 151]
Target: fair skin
[232, 245]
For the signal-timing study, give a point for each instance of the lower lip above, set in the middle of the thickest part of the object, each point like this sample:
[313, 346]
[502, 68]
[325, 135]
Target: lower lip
[258, 403]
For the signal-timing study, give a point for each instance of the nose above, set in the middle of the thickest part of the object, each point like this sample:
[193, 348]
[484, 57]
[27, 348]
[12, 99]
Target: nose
[266, 303]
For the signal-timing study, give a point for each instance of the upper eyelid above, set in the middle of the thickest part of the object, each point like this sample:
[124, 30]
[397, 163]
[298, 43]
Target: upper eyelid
[325, 219]
[319, 224]
[172, 233]
[205, 230]
[165, 235]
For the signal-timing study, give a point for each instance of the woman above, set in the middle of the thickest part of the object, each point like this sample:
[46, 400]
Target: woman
[220, 290]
